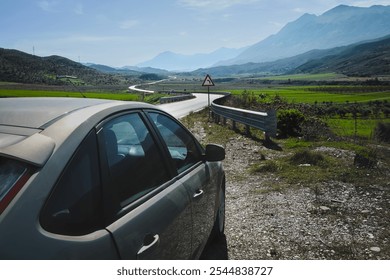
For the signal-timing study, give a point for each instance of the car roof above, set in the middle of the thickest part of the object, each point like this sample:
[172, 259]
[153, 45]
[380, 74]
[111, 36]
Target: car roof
[38, 112]
[22, 120]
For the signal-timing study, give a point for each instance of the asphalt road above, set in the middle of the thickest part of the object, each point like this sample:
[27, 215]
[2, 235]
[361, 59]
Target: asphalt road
[183, 108]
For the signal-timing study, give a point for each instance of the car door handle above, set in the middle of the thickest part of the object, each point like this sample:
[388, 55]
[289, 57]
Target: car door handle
[150, 242]
[198, 194]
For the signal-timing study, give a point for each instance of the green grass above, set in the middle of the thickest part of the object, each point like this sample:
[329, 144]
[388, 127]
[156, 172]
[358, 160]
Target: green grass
[43, 93]
[305, 77]
[302, 168]
[313, 94]
[347, 127]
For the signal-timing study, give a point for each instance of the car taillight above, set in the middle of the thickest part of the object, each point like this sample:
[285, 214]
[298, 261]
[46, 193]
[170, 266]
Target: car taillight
[13, 176]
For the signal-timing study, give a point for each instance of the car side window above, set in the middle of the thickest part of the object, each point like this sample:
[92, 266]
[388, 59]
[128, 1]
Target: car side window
[184, 150]
[135, 163]
[73, 208]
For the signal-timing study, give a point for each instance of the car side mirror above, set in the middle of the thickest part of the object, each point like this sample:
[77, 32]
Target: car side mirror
[214, 153]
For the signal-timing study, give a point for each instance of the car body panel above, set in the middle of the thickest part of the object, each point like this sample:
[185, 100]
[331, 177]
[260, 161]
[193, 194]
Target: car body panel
[168, 215]
[171, 222]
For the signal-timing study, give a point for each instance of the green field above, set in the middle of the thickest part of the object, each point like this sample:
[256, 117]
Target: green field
[313, 94]
[305, 77]
[44, 93]
[362, 128]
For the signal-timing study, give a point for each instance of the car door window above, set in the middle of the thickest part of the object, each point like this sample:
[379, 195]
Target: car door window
[135, 163]
[73, 208]
[184, 150]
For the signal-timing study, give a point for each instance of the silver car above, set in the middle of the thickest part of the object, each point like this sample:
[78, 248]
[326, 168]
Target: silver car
[102, 179]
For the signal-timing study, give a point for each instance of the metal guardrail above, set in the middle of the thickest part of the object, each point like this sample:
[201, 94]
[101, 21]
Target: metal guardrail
[265, 121]
[176, 98]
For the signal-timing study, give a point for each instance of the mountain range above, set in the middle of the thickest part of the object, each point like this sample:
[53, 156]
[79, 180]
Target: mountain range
[368, 58]
[340, 26]
[348, 40]
[179, 62]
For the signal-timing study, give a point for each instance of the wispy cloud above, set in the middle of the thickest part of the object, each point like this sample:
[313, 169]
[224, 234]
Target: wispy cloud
[368, 3]
[81, 38]
[79, 9]
[213, 4]
[128, 24]
[47, 6]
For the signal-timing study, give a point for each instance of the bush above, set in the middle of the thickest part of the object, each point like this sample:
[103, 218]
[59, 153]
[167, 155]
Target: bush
[382, 132]
[366, 159]
[307, 157]
[268, 166]
[289, 122]
[315, 129]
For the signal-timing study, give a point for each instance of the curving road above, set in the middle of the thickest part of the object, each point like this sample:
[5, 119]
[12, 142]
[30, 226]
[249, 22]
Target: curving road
[183, 108]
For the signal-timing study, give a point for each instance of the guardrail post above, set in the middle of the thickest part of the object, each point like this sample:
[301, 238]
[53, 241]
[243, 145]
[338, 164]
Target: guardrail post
[248, 130]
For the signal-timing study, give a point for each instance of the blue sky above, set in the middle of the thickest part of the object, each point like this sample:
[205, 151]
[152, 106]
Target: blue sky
[127, 32]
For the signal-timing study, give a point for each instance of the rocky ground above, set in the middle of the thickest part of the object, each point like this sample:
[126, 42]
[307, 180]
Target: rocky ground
[335, 220]
[327, 220]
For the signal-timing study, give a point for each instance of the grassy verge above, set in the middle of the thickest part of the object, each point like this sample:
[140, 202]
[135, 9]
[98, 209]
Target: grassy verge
[361, 128]
[321, 94]
[48, 93]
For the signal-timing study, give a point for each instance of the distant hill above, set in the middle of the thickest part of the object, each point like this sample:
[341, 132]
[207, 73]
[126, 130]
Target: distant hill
[127, 70]
[20, 67]
[179, 62]
[367, 59]
[361, 59]
[148, 70]
[340, 26]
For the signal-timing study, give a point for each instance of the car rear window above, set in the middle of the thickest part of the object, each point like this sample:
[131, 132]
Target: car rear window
[12, 179]
[73, 208]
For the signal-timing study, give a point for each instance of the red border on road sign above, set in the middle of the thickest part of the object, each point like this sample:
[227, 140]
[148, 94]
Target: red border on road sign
[208, 82]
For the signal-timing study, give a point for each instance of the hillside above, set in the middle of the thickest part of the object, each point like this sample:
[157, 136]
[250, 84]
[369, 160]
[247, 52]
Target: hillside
[340, 26]
[365, 59]
[20, 67]
[361, 59]
[277, 67]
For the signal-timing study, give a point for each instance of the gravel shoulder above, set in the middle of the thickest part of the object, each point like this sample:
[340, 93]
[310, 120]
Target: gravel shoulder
[267, 218]
[334, 220]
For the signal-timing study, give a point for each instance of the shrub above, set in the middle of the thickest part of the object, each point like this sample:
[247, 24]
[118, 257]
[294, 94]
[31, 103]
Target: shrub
[382, 132]
[307, 157]
[314, 129]
[268, 166]
[289, 122]
[366, 158]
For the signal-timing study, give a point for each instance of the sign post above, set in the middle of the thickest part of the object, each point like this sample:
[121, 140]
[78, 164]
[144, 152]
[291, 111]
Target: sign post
[208, 82]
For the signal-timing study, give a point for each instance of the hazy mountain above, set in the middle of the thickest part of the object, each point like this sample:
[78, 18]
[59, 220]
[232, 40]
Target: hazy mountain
[340, 26]
[360, 59]
[149, 70]
[179, 62]
[367, 59]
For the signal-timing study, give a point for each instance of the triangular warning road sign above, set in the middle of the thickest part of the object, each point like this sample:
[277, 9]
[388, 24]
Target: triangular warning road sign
[208, 81]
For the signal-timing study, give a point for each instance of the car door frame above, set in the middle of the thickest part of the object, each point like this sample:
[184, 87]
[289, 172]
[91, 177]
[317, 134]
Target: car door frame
[114, 215]
[196, 195]
[109, 212]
